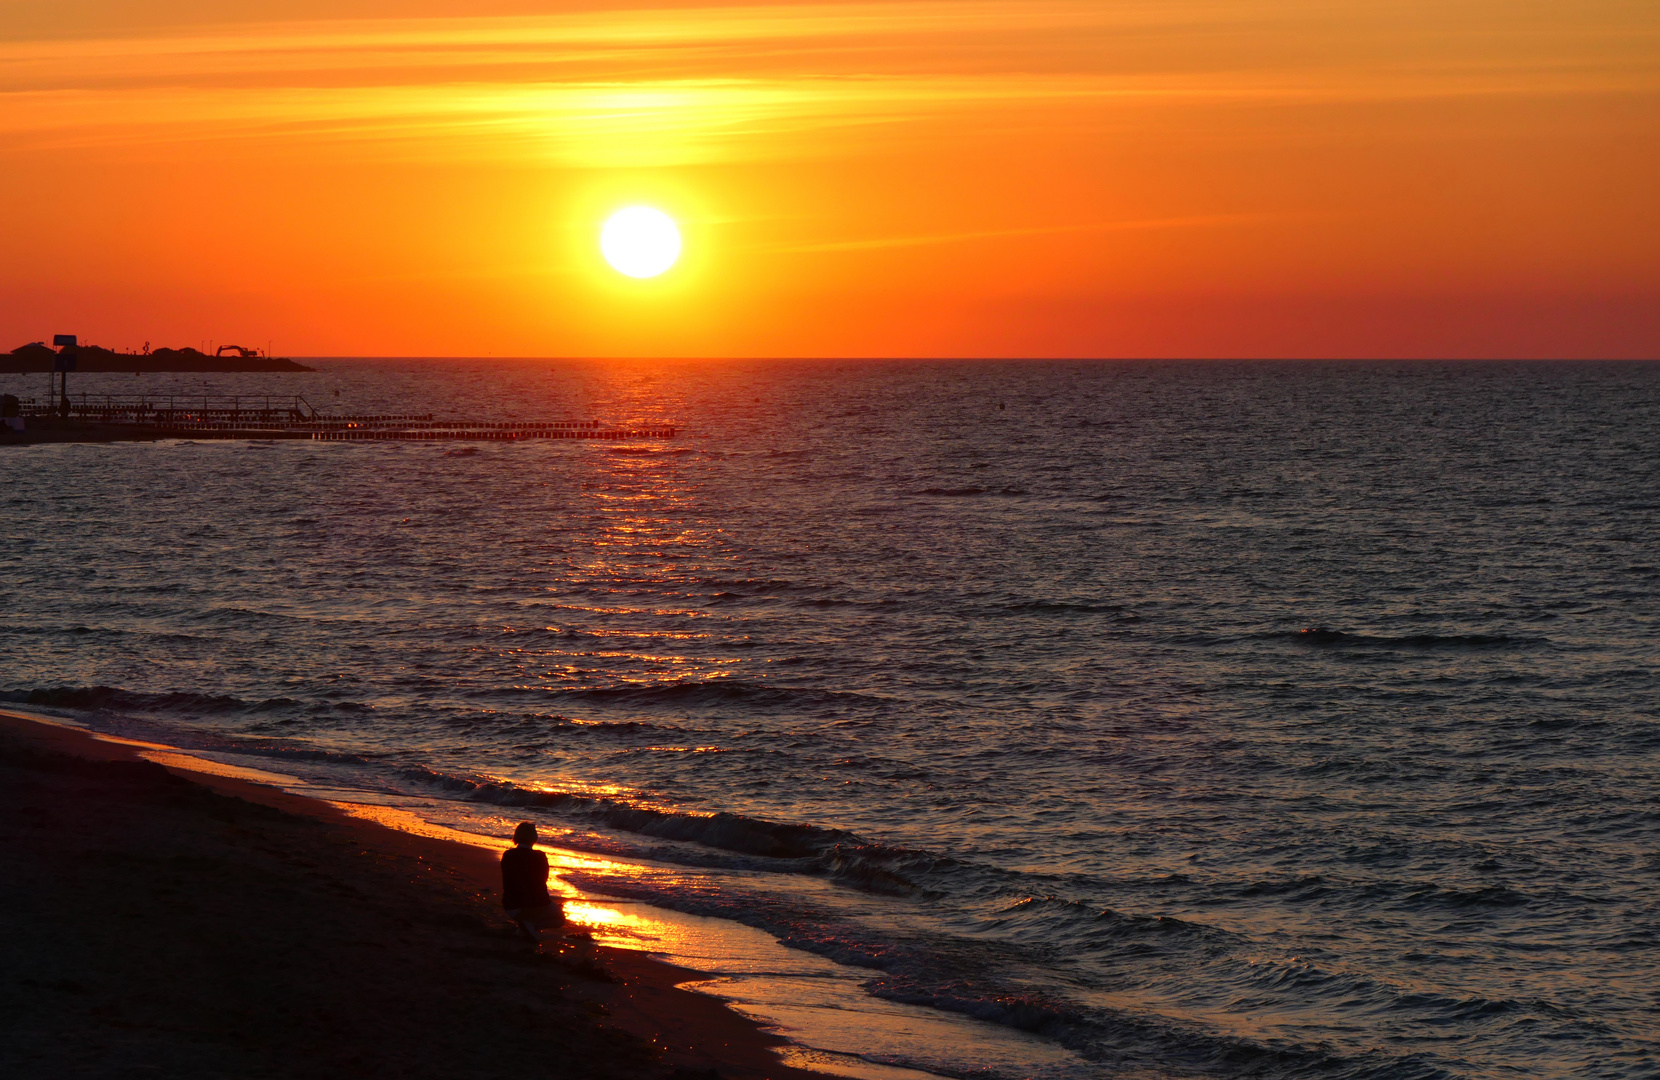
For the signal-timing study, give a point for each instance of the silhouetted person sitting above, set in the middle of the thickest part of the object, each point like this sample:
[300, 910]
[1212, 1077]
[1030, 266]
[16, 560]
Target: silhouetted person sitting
[524, 885]
[524, 893]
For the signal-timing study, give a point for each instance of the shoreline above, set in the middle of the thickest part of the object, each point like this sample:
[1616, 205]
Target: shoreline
[675, 1030]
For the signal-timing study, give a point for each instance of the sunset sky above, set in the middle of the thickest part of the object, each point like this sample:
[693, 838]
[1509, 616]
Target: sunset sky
[946, 178]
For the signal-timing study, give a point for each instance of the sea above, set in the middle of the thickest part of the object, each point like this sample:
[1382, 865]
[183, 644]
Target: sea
[969, 719]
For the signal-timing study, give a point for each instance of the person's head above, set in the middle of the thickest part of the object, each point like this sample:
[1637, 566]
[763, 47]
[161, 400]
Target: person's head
[525, 834]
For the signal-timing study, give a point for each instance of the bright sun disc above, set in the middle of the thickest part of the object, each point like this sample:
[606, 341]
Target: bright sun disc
[640, 242]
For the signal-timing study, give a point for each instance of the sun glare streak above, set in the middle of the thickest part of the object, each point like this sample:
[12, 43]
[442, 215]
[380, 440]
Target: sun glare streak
[998, 234]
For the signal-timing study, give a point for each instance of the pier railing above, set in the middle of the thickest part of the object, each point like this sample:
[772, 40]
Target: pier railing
[147, 408]
[109, 417]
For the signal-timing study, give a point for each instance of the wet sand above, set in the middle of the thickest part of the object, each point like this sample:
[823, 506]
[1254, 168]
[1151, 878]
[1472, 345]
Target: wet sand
[164, 922]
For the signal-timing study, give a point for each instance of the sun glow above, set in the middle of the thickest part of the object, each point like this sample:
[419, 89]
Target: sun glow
[640, 241]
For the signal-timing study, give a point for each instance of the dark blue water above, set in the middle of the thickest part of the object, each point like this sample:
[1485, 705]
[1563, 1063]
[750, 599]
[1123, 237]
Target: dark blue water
[1218, 720]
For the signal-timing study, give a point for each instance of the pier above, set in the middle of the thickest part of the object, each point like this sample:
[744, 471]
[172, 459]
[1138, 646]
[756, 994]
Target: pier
[147, 419]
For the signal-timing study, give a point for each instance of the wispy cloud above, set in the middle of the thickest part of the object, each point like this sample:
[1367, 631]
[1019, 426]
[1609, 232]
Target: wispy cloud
[671, 86]
[930, 240]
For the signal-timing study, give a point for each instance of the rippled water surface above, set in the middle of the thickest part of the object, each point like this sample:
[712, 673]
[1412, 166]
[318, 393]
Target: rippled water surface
[1212, 720]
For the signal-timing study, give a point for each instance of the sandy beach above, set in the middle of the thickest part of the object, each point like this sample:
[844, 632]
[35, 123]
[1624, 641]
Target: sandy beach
[168, 922]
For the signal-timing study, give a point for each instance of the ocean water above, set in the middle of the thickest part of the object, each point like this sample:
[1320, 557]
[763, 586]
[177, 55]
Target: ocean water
[1104, 719]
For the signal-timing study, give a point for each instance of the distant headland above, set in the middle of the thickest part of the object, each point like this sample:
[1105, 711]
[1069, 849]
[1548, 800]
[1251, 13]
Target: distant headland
[38, 356]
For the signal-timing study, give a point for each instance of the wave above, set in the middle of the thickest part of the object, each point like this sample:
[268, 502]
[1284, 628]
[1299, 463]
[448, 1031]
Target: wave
[278, 749]
[618, 727]
[1419, 896]
[178, 704]
[960, 976]
[1318, 635]
[879, 868]
[147, 636]
[714, 692]
[970, 492]
[1084, 927]
[1070, 607]
[236, 617]
[755, 584]
[1302, 887]
[115, 699]
[786, 847]
[724, 831]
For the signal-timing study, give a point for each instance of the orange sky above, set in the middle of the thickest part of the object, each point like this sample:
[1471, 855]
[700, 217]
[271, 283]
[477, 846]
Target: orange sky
[951, 178]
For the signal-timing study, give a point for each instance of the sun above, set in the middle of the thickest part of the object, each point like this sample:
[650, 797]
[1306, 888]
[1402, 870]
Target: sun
[640, 241]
